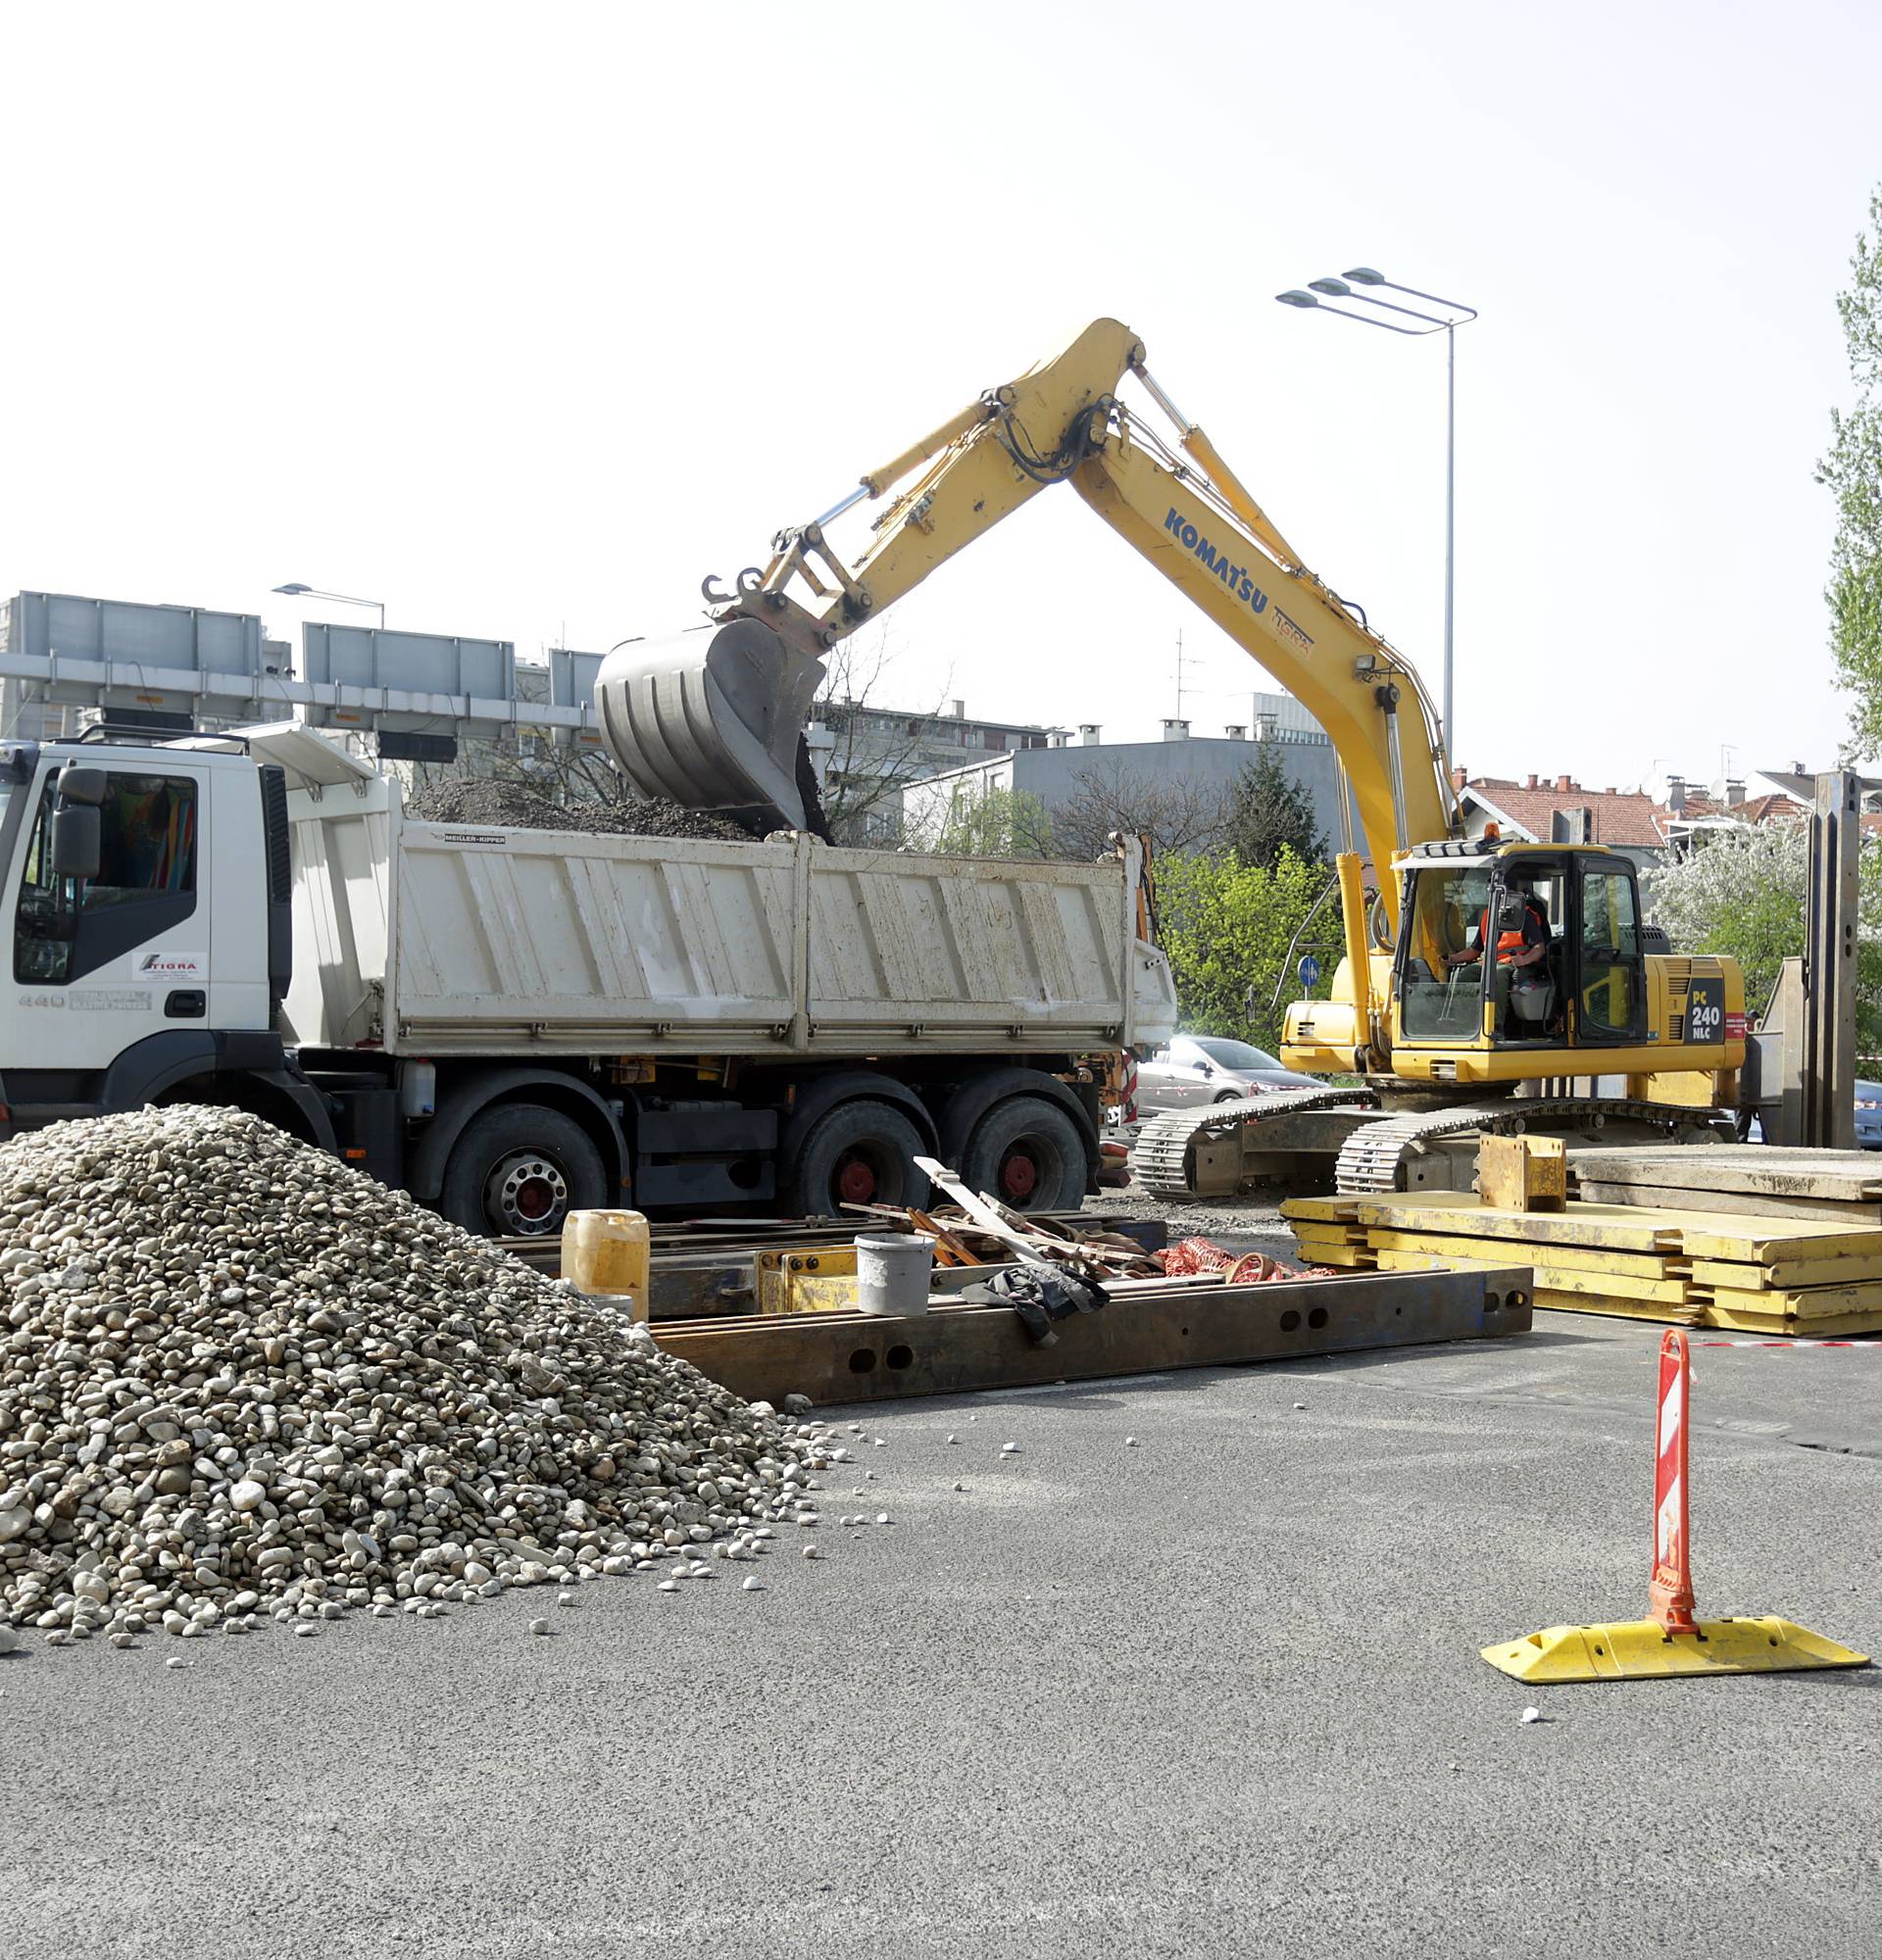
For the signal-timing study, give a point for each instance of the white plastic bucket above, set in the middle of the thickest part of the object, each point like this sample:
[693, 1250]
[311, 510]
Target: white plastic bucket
[892, 1270]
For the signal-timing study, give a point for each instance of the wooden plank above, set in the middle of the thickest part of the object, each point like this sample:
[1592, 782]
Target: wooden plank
[1749, 1167]
[985, 1218]
[1815, 1326]
[1581, 1258]
[1620, 1229]
[1784, 1274]
[1551, 1279]
[1615, 1308]
[1323, 1211]
[1329, 1236]
[1763, 1241]
[835, 1358]
[1360, 1258]
[1661, 1197]
[1810, 1305]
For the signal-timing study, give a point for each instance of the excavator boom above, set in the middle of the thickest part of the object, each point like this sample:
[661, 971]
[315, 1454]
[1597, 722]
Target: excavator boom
[713, 718]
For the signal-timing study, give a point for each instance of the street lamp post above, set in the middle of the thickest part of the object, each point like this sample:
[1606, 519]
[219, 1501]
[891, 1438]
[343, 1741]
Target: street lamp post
[1456, 315]
[295, 591]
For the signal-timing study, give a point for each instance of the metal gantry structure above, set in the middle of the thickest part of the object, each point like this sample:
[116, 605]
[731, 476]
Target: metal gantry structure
[1361, 282]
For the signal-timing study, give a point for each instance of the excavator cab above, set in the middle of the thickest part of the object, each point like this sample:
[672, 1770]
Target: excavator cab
[1519, 947]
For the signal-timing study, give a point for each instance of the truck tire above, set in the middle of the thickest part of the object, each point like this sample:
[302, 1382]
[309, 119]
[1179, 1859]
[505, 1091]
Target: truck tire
[861, 1152]
[1028, 1152]
[519, 1170]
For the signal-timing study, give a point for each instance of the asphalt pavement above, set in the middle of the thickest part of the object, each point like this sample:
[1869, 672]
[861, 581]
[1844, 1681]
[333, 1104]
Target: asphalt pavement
[1215, 1693]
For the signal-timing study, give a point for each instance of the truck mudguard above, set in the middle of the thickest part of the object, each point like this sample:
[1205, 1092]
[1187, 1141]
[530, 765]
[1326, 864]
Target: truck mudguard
[471, 1094]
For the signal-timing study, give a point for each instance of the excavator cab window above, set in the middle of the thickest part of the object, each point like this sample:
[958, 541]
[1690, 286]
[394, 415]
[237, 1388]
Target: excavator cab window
[1440, 972]
[1611, 979]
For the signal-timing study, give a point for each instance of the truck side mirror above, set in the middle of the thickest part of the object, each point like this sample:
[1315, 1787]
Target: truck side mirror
[79, 782]
[77, 838]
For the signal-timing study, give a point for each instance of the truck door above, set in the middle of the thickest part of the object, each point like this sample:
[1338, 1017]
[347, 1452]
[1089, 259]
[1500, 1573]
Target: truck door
[1608, 970]
[102, 963]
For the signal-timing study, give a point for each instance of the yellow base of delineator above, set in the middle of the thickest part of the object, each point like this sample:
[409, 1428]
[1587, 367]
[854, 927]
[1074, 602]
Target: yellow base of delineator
[1643, 1651]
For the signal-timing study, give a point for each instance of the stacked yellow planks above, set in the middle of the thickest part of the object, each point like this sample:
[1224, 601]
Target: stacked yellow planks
[1753, 1274]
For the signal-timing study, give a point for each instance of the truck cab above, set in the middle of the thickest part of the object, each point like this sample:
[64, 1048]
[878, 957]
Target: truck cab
[145, 899]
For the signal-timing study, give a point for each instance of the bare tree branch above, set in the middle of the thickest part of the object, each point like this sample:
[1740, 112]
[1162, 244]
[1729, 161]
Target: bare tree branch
[873, 755]
[1180, 817]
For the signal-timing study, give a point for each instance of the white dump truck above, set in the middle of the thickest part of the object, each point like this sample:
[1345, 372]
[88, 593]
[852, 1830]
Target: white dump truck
[510, 1023]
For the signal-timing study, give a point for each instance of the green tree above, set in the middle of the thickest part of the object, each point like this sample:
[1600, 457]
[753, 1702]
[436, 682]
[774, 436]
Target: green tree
[1852, 470]
[1269, 812]
[1226, 927]
[982, 821]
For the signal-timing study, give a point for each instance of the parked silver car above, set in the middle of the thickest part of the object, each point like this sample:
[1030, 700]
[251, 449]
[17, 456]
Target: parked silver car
[1868, 1115]
[1197, 1069]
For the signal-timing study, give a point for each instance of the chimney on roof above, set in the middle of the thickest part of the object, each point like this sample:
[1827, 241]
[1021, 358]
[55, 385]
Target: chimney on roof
[1174, 730]
[1611, 791]
[1676, 796]
[1089, 733]
[1532, 783]
[1798, 770]
[959, 710]
[1060, 738]
[1236, 731]
[1459, 775]
[1567, 783]
[1734, 792]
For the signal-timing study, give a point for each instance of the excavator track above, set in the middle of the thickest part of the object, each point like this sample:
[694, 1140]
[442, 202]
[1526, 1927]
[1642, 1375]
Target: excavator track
[1160, 1159]
[1372, 1160]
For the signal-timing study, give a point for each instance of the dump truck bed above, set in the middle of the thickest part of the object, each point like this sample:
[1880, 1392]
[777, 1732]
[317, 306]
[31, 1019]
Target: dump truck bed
[439, 939]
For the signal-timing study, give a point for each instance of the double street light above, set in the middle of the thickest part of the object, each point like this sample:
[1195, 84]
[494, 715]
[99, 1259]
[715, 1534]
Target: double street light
[1359, 284]
[293, 591]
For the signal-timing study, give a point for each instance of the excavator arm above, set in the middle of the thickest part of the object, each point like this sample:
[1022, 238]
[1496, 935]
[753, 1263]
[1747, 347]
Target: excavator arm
[710, 719]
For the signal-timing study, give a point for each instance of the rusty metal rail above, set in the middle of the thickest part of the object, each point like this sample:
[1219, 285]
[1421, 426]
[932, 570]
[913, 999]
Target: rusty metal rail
[853, 1357]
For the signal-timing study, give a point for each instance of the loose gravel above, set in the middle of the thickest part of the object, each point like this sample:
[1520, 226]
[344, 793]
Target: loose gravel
[513, 806]
[239, 1380]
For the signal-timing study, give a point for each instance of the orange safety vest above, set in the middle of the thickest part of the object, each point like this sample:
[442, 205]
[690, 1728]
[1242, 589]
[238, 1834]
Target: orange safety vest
[1509, 944]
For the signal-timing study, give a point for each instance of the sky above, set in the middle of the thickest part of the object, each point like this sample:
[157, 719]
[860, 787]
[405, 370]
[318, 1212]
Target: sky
[524, 321]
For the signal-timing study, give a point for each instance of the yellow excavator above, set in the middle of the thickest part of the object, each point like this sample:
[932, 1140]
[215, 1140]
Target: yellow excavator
[1489, 985]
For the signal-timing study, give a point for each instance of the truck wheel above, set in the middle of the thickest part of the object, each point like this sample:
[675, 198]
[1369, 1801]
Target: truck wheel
[519, 1170]
[861, 1152]
[1029, 1154]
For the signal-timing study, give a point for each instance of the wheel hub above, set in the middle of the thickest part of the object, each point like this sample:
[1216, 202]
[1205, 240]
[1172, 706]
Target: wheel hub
[526, 1195]
[854, 1181]
[1018, 1177]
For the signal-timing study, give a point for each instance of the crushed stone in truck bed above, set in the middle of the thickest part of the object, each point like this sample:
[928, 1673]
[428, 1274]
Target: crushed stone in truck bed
[484, 800]
[241, 1383]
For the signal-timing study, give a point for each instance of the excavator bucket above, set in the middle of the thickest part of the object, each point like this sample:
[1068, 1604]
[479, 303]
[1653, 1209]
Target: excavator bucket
[711, 719]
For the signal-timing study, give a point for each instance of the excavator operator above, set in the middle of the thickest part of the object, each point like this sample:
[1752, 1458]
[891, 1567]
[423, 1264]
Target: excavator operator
[1524, 995]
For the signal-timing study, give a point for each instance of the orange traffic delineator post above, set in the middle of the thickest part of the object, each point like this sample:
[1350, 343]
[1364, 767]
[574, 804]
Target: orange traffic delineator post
[1672, 1641]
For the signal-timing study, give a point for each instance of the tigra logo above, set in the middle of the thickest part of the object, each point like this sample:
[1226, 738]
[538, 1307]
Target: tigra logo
[171, 966]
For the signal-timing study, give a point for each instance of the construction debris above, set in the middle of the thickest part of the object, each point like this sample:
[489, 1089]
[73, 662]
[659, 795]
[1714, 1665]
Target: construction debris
[511, 805]
[977, 1229]
[239, 1378]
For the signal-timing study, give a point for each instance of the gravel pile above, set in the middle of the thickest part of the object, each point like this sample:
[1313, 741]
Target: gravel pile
[238, 1379]
[482, 799]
